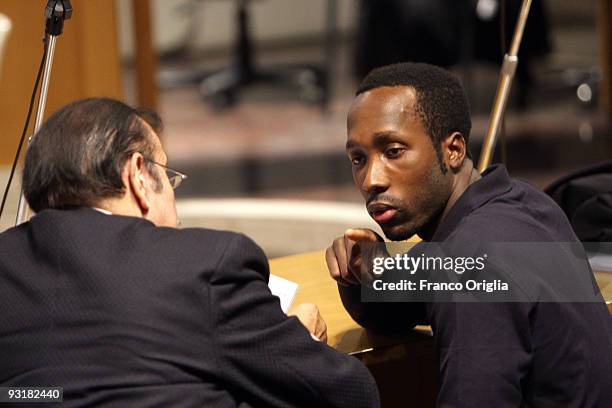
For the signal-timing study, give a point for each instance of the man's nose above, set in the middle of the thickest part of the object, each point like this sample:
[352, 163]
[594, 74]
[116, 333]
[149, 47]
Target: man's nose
[376, 180]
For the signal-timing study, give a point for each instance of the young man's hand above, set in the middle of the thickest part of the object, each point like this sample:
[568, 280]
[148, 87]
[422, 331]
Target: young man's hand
[344, 256]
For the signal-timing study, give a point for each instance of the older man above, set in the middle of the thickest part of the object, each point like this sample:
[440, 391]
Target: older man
[408, 130]
[100, 294]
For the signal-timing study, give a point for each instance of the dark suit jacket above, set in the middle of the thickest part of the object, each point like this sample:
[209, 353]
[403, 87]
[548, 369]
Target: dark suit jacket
[119, 312]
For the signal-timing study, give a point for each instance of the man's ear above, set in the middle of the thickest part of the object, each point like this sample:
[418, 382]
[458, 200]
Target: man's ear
[137, 182]
[454, 150]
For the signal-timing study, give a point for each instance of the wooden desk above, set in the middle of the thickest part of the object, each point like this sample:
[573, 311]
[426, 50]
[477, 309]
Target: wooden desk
[402, 367]
[604, 280]
[310, 271]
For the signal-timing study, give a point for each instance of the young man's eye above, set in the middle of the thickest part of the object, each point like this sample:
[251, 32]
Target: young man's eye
[393, 152]
[356, 160]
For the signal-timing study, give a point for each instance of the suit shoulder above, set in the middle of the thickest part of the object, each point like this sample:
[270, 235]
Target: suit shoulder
[500, 226]
[528, 216]
[204, 241]
[197, 233]
[205, 234]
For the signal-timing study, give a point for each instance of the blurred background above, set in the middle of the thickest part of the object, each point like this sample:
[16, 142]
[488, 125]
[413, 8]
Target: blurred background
[254, 94]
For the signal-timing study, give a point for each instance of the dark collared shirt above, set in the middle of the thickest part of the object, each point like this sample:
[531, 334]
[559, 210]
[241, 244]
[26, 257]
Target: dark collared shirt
[532, 354]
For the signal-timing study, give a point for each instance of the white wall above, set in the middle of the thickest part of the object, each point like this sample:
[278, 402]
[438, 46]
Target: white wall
[270, 20]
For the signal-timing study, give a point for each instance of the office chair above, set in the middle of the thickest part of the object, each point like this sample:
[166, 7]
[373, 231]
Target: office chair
[223, 86]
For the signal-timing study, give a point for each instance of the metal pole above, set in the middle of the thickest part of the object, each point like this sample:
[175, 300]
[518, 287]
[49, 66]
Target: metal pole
[56, 13]
[331, 51]
[22, 209]
[503, 89]
[42, 101]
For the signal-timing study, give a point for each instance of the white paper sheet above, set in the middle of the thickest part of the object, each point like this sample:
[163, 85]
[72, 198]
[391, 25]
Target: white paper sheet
[601, 262]
[284, 289]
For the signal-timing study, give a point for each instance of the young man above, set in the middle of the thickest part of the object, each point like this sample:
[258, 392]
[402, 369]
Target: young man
[100, 294]
[408, 130]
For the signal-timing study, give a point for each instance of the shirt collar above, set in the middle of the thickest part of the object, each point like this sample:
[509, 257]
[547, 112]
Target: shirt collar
[102, 210]
[493, 183]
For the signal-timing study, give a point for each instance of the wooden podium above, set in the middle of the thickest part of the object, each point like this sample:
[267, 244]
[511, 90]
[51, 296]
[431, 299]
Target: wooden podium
[404, 368]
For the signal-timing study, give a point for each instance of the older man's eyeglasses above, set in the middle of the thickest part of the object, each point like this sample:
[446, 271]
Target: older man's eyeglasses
[175, 177]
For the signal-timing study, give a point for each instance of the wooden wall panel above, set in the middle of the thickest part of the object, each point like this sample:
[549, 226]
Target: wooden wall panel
[86, 62]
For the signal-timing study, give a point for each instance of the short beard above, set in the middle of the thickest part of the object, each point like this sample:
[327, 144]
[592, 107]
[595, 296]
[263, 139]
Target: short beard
[435, 193]
[443, 168]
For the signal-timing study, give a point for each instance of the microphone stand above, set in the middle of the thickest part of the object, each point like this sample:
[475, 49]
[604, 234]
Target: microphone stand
[503, 89]
[56, 12]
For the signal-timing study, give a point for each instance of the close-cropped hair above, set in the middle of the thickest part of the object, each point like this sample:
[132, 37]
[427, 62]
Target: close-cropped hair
[442, 104]
[77, 157]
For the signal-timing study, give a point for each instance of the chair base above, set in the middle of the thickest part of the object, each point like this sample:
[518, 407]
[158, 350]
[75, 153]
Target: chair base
[223, 87]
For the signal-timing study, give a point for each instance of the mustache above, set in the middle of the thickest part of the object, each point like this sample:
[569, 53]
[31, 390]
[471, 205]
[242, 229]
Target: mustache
[385, 198]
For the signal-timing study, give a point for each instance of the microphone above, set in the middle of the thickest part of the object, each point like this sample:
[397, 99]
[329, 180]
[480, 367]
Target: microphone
[56, 12]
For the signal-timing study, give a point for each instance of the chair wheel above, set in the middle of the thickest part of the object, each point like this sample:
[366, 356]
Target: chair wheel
[312, 93]
[223, 100]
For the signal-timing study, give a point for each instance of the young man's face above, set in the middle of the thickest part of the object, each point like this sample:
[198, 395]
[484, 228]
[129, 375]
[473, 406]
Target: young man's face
[394, 162]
